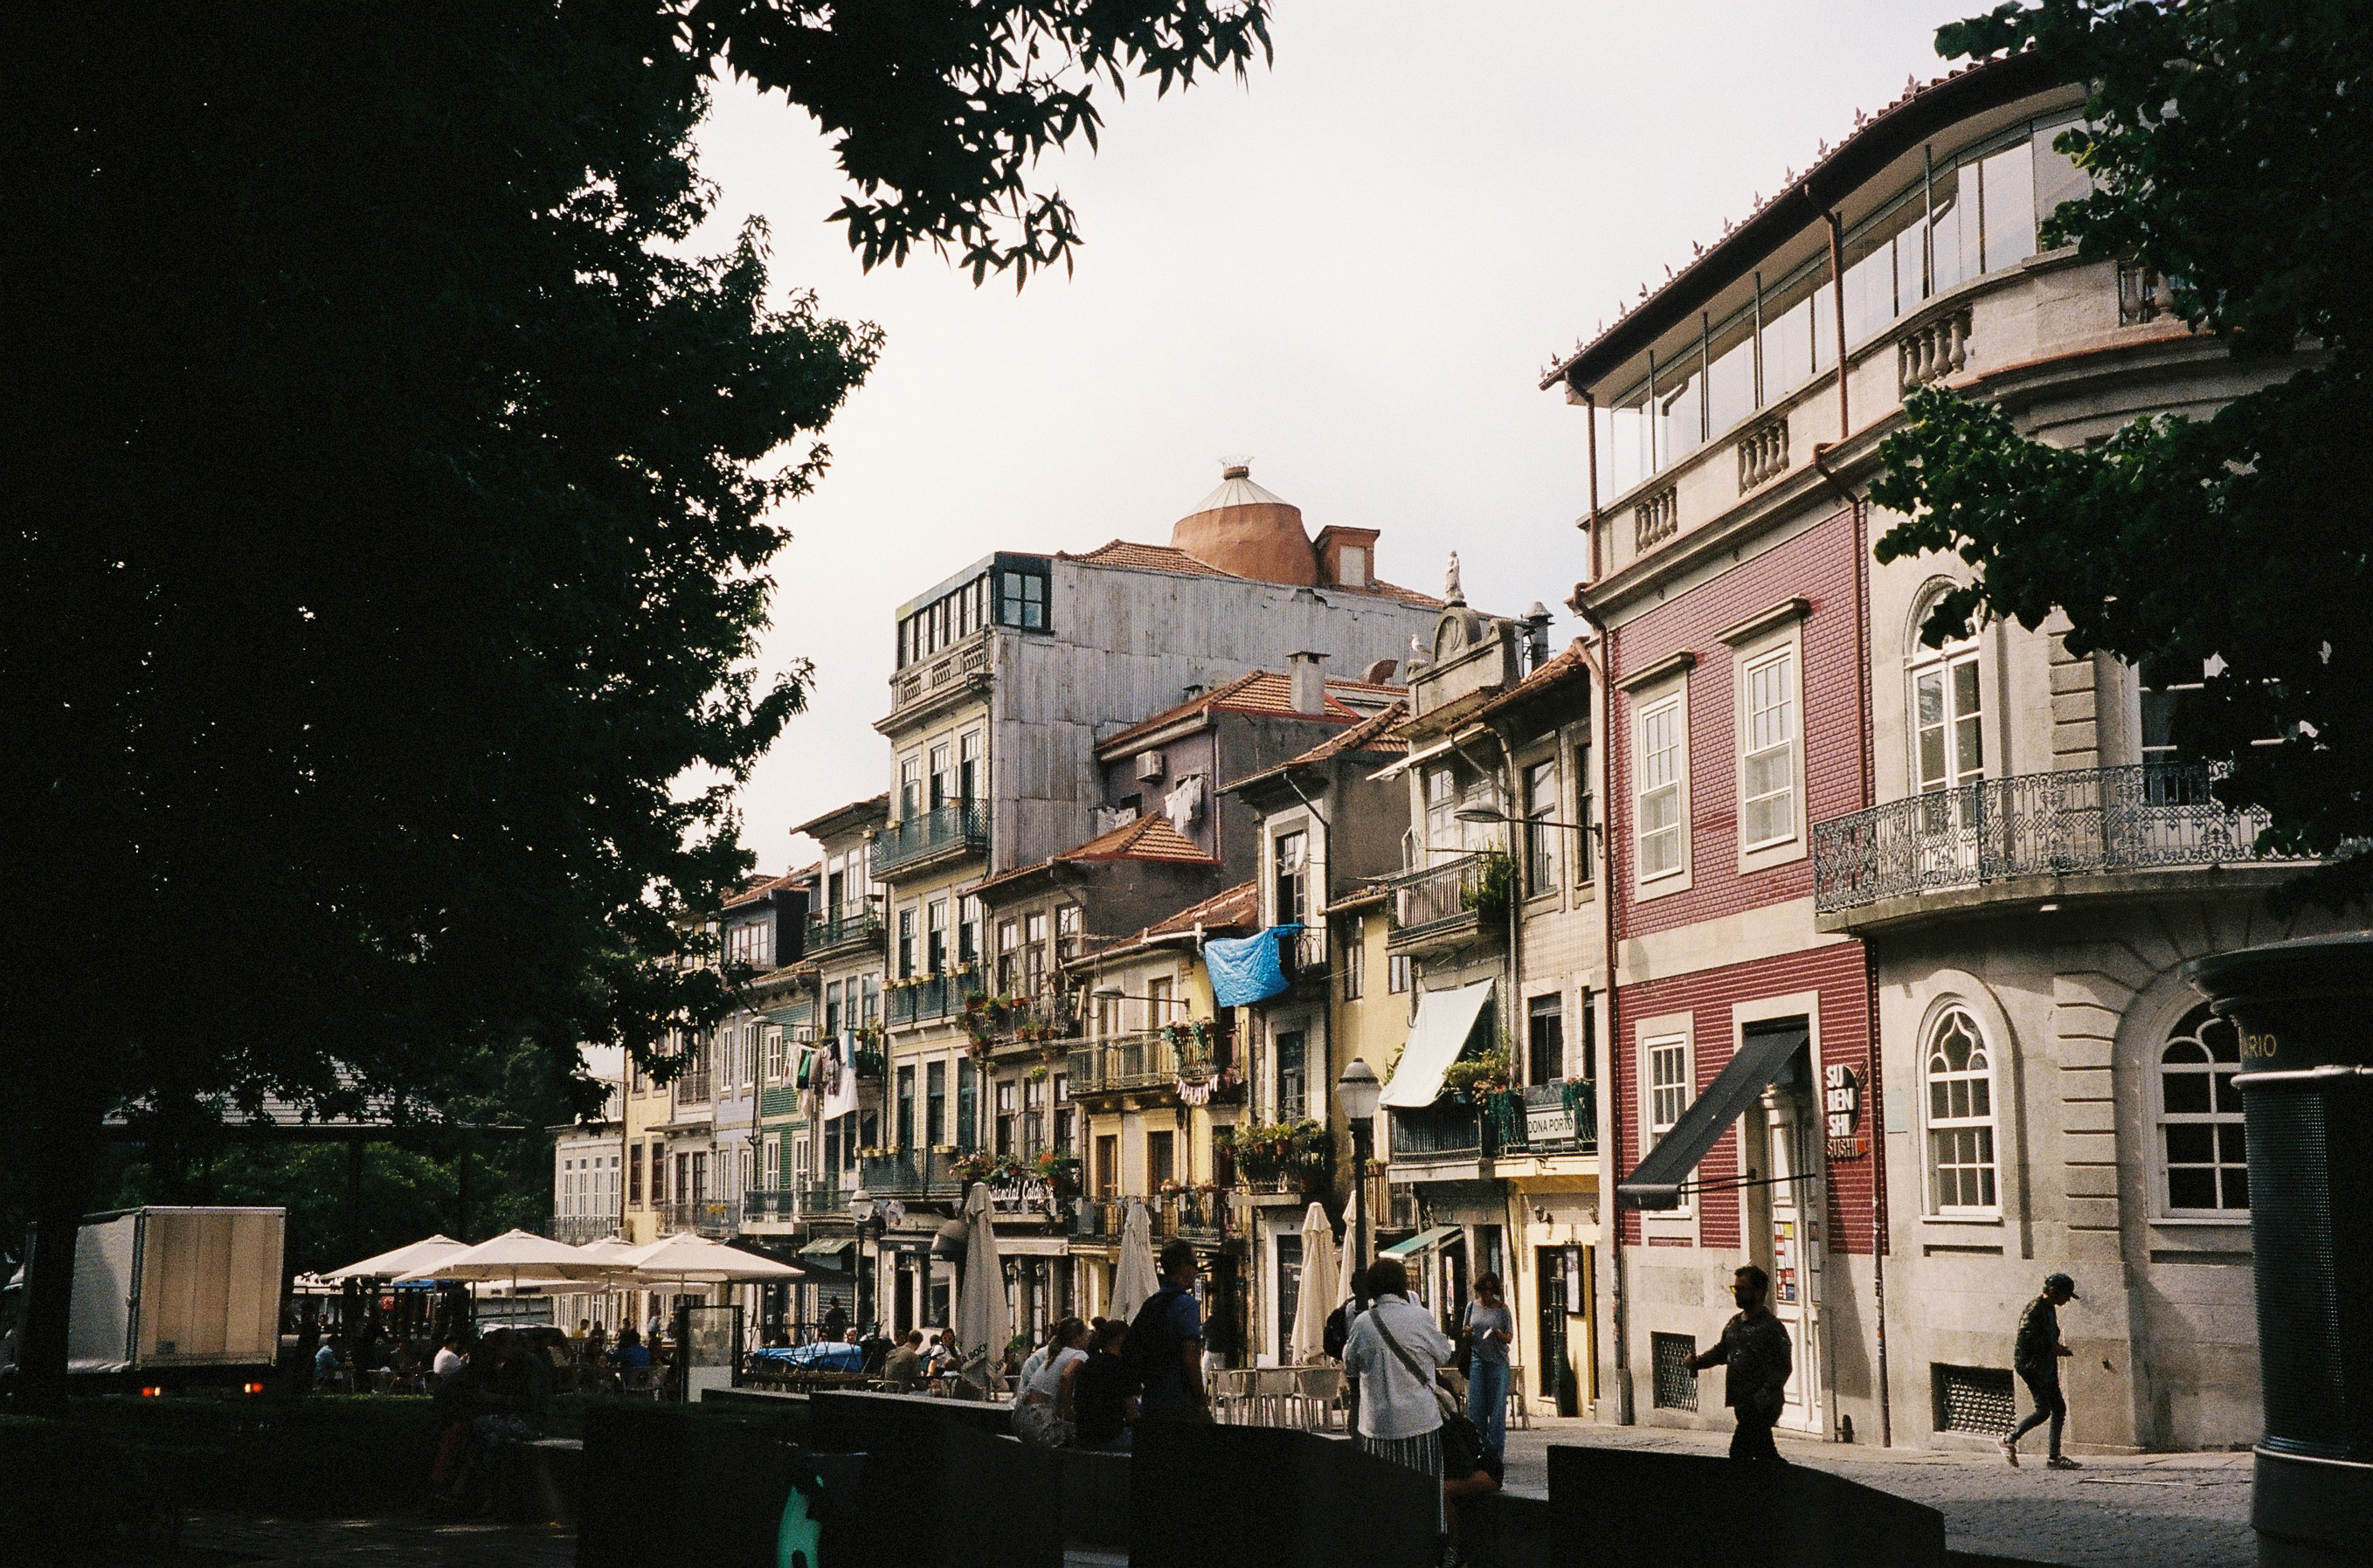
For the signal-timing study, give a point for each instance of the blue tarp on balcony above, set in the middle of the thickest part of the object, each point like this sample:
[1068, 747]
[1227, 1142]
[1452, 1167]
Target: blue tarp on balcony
[1246, 969]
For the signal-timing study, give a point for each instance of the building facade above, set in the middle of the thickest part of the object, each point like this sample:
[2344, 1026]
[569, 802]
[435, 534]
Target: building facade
[1899, 928]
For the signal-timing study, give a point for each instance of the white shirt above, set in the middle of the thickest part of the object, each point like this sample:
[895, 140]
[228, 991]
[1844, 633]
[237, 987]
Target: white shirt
[1048, 1382]
[1029, 1367]
[448, 1362]
[1393, 1401]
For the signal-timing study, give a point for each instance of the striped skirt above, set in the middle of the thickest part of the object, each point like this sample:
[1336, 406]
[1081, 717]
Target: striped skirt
[1421, 1454]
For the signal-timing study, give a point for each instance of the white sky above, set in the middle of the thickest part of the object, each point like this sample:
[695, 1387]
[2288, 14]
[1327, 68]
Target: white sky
[1351, 267]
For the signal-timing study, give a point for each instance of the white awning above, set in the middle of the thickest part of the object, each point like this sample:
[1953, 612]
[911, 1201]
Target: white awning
[1445, 1019]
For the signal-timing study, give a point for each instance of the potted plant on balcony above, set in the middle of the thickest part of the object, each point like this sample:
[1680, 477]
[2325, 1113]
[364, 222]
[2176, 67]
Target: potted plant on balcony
[1488, 890]
[1474, 1078]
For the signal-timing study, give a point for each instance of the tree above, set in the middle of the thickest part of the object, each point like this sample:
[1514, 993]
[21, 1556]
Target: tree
[394, 503]
[2225, 139]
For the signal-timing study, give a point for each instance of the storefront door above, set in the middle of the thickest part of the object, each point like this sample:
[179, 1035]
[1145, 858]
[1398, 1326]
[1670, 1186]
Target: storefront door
[1794, 1210]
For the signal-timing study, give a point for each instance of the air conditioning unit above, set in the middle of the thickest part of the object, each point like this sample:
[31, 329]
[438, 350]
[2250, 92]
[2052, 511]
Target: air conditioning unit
[1149, 766]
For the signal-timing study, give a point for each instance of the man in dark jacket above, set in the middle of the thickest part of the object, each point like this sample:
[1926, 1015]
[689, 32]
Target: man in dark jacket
[2035, 1356]
[1756, 1349]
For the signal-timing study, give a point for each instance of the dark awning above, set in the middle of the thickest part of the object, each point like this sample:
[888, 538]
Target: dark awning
[1762, 1056]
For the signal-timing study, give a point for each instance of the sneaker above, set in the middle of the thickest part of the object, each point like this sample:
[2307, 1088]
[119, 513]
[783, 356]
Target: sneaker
[2010, 1451]
[2062, 1462]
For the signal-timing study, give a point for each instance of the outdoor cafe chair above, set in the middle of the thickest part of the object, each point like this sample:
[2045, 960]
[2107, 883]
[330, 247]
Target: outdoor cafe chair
[1520, 1409]
[1319, 1392]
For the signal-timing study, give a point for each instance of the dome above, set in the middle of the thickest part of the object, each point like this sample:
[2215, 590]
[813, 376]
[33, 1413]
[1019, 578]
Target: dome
[1242, 529]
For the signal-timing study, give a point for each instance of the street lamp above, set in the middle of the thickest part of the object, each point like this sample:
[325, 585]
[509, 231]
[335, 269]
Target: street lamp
[1489, 814]
[863, 1209]
[1359, 1090]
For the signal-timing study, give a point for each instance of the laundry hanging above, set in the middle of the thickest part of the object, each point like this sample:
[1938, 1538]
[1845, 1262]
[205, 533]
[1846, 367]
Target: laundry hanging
[1245, 970]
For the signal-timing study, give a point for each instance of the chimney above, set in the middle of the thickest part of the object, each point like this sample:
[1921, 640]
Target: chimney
[1309, 682]
[1536, 637]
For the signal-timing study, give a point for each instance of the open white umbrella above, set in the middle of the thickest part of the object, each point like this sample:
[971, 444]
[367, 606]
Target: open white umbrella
[403, 1260]
[696, 1259]
[1320, 1272]
[1135, 1276]
[982, 1327]
[514, 1258]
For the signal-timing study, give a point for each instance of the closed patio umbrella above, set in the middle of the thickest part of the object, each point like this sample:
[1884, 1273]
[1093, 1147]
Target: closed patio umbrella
[1320, 1286]
[403, 1260]
[982, 1327]
[1135, 1276]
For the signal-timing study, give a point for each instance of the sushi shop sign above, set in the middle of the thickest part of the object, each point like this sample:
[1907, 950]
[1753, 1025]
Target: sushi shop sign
[1841, 1108]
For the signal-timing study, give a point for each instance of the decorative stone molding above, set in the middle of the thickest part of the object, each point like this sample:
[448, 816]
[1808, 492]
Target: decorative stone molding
[1931, 351]
[1657, 517]
[920, 681]
[1762, 454]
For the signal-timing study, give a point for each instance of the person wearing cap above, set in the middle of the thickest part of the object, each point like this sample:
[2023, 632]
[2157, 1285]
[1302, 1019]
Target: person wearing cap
[2036, 1358]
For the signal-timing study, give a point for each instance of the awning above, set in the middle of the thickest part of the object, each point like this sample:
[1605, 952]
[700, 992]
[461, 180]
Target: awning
[1762, 1056]
[1445, 1019]
[1421, 1242]
[830, 1247]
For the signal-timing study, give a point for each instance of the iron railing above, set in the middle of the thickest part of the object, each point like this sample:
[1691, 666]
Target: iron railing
[578, 1229]
[918, 1173]
[962, 825]
[1191, 1213]
[708, 1216]
[1437, 1132]
[1147, 1060]
[820, 1199]
[1560, 1119]
[850, 923]
[2139, 817]
[931, 997]
[1546, 1118]
[1305, 953]
[770, 1205]
[1437, 894]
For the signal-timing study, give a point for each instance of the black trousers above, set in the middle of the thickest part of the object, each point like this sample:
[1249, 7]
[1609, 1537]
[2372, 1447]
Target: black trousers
[2049, 1406]
[1753, 1438]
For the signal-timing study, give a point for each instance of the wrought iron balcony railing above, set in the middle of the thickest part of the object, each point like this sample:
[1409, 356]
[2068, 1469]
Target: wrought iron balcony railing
[769, 1206]
[578, 1229]
[930, 996]
[824, 1199]
[1437, 894]
[1437, 1132]
[961, 826]
[840, 928]
[1147, 1060]
[708, 1216]
[2140, 817]
[919, 1174]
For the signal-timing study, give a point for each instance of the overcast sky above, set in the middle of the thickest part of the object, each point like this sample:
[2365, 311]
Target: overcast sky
[1351, 267]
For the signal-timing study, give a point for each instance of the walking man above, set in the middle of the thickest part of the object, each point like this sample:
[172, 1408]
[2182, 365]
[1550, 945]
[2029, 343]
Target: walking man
[1165, 1343]
[2036, 1358]
[1754, 1347]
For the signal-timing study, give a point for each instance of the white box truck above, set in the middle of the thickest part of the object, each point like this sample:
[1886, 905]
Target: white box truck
[176, 1295]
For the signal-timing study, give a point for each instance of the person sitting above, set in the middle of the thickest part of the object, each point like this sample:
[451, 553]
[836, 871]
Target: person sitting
[1102, 1401]
[1042, 1410]
[903, 1369]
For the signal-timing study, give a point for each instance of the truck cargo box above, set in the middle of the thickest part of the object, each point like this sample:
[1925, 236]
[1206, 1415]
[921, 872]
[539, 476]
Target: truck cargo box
[160, 1288]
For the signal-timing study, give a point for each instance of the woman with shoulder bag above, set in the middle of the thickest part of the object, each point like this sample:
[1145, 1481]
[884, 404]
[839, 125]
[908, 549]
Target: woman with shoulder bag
[1391, 1355]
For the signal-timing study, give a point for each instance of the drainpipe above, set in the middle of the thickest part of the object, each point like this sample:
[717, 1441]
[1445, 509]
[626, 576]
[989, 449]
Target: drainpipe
[1611, 1218]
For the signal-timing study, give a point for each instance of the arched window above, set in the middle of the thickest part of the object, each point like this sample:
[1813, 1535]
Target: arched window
[1960, 1118]
[1948, 713]
[2201, 1150]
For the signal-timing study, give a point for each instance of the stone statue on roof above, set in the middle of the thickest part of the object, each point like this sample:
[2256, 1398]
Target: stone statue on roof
[1452, 592]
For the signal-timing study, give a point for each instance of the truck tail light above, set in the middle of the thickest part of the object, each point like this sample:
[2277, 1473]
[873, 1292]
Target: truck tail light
[251, 1388]
[152, 1391]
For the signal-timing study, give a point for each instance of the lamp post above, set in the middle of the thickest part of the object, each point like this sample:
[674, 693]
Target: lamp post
[863, 1209]
[1358, 1090]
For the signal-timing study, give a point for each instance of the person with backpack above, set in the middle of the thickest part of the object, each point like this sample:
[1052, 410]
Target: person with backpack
[1165, 1347]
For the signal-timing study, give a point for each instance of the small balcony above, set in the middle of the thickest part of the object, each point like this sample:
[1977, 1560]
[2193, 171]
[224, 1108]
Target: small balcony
[2004, 840]
[1442, 905]
[770, 1206]
[928, 998]
[1557, 1119]
[943, 832]
[851, 926]
[1190, 1213]
[1045, 1015]
[578, 1229]
[916, 1174]
[1445, 1131]
[823, 1200]
[1146, 1061]
[704, 1216]
[692, 1088]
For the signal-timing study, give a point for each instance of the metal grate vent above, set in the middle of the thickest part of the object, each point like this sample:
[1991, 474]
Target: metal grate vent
[1974, 1399]
[1677, 1386]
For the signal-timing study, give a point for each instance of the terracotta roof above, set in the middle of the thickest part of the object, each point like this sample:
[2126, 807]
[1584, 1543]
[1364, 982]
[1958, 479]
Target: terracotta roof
[1394, 591]
[1921, 110]
[759, 887]
[1371, 735]
[1263, 691]
[1239, 906]
[1147, 838]
[1565, 666]
[1148, 557]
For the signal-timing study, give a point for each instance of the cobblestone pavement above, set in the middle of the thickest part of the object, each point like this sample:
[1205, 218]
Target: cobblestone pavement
[232, 1539]
[2147, 1510]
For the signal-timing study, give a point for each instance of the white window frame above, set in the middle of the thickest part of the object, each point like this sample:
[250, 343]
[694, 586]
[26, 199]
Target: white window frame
[1673, 706]
[2186, 1030]
[1782, 651]
[1677, 1031]
[1988, 1125]
[1943, 663]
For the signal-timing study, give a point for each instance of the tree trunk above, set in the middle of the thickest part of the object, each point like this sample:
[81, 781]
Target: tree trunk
[65, 1153]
